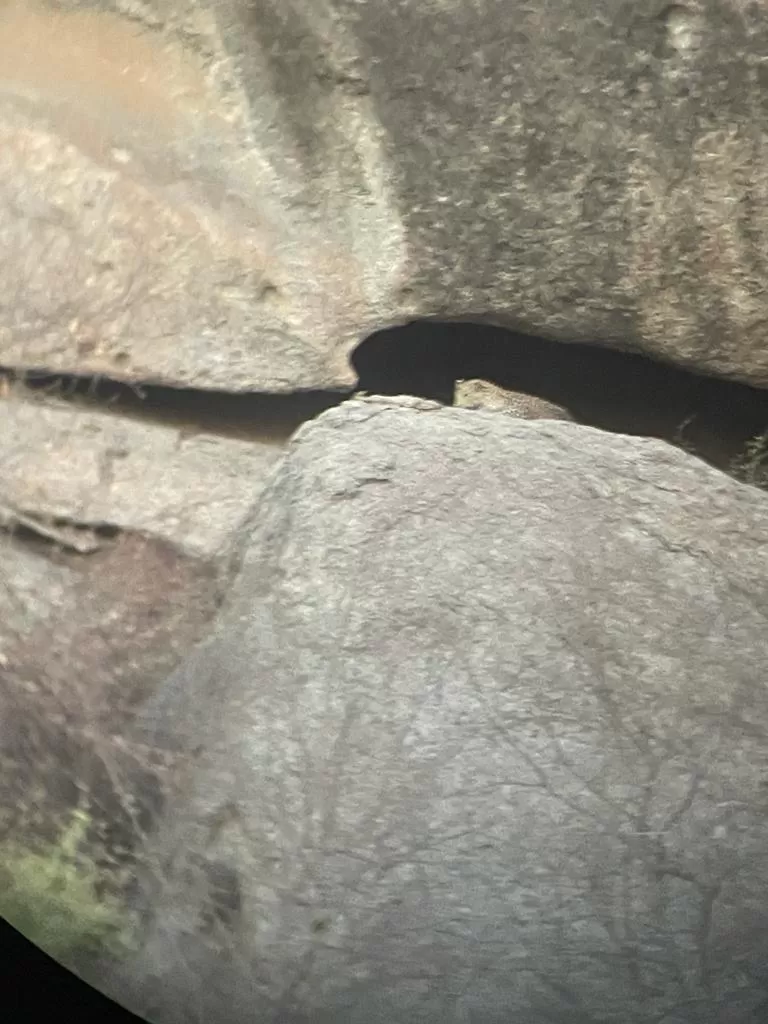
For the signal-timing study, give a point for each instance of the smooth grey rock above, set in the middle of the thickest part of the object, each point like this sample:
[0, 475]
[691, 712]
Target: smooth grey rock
[482, 733]
[228, 195]
[158, 226]
[87, 466]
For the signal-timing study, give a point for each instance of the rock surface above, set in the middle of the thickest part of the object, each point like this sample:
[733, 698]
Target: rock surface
[117, 543]
[191, 490]
[223, 196]
[481, 735]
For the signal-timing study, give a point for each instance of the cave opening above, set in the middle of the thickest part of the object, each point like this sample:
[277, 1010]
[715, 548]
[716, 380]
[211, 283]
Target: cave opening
[722, 421]
[621, 392]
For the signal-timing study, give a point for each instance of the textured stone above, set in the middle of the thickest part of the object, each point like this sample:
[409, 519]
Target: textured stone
[117, 543]
[99, 470]
[483, 734]
[228, 195]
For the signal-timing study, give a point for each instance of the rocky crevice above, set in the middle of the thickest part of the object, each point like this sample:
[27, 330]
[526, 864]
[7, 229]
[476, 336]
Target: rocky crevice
[721, 421]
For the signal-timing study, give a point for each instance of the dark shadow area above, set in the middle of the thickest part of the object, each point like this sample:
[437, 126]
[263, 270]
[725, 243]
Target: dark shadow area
[61, 535]
[604, 388]
[35, 987]
[248, 416]
[616, 391]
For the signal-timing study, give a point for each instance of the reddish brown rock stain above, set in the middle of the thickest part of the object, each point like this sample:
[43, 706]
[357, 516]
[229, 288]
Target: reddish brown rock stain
[97, 61]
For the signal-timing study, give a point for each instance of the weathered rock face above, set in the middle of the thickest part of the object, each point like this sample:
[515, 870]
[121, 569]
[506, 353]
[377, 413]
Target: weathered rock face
[151, 237]
[482, 734]
[228, 195]
[89, 467]
[117, 545]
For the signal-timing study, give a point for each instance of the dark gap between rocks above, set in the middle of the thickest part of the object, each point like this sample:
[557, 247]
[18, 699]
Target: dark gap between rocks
[620, 392]
[57, 533]
[249, 416]
[717, 420]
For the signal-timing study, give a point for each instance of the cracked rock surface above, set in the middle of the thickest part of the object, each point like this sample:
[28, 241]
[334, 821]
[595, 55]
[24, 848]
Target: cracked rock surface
[482, 731]
[223, 195]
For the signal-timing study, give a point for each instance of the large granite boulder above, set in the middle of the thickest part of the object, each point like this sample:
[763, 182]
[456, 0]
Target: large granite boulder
[480, 735]
[231, 195]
